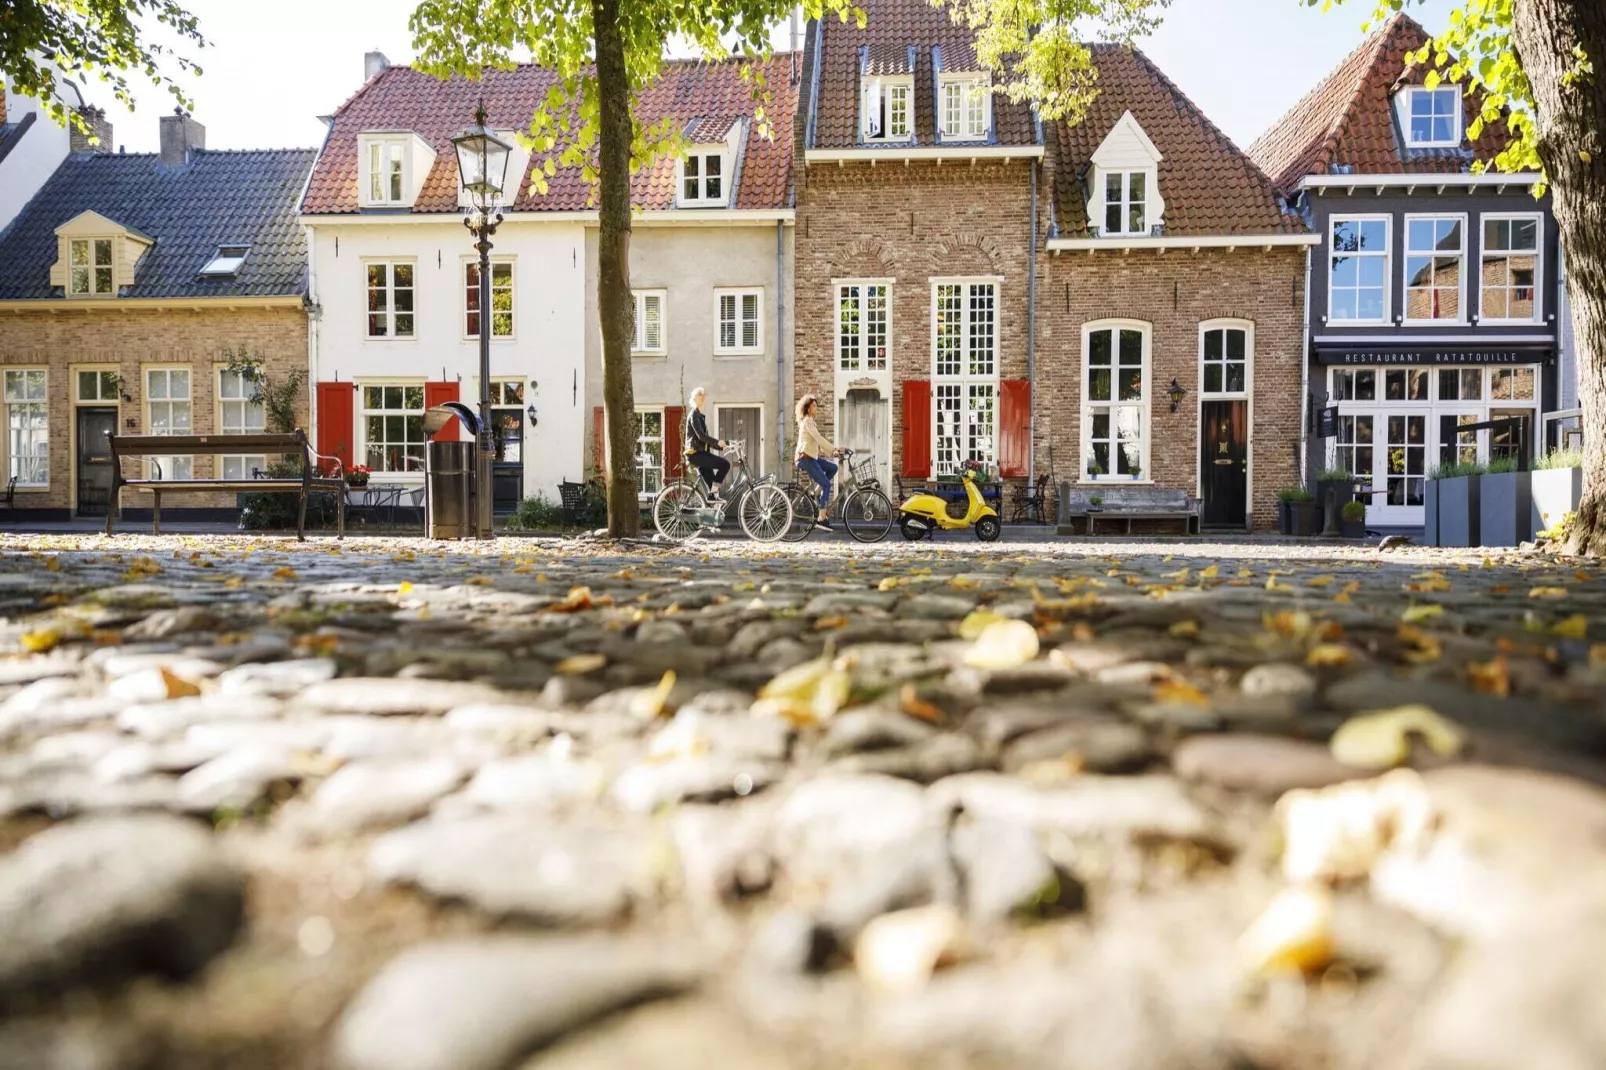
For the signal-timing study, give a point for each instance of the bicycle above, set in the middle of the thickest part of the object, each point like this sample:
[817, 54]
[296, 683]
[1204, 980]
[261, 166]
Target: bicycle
[863, 507]
[762, 508]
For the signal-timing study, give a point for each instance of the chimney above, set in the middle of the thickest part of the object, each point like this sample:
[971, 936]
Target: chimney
[181, 135]
[372, 63]
[99, 127]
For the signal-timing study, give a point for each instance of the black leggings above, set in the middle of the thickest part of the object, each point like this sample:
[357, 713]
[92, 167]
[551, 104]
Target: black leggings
[712, 466]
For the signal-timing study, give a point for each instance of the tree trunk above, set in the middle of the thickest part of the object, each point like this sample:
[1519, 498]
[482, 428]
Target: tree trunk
[614, 301]
[1570, 120]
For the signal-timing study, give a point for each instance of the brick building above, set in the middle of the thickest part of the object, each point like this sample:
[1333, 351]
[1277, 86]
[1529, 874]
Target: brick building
[127, 284]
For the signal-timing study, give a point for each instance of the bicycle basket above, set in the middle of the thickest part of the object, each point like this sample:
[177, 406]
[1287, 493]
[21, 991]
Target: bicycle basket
[864, 467]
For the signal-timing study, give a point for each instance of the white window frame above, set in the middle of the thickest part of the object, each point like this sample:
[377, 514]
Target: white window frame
[91, 245]
[169, 466]
[1145, 405]
[1538, 219]
[1405, 261]
[472, 264]
[363, 412]
[686, 171]
[395, 157]
[220, 404]
[974, 118]
[755, 450]
[1126, 202]
[639, 340]
[1456, 116]
[872, 91]
[25, 399]
[739, 297]
[967, 380]
[390, 289]
[1388, 265]
[863, 364]
[641, 439]
[226, 262]
[97, 370]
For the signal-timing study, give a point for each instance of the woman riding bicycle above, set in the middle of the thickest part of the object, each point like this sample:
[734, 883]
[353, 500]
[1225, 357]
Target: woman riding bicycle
[700, 446]
[813, 449]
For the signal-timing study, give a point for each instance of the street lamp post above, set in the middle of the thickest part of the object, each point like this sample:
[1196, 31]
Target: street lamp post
[482, 163]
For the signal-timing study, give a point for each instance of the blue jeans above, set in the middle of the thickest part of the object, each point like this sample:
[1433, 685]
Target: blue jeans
[821, 471]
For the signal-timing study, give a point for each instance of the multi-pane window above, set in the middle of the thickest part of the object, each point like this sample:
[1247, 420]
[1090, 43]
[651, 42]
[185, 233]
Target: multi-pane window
[861, 324]
[649, 337]
[390, 299]
[168, 411]
[649, 450]
[702, 179]
[1354, 384]
[386, 161]
[1454, 444]
[89, 261]
[1510, 268]
[501, 299]
[740, 321]
[239, 412]
[1434, 118]
[964, 110]
[1435, 250]
[1405, 384]
[1460, 384]
[1511, 384]
[1406, 449]
[27, 426]
[966, 363]
[887, 115]
[1353, 449]
[103, 386]
[1115, 401]
[1226, 360]
[1360, 267]
[1126, 202]
[393, 427]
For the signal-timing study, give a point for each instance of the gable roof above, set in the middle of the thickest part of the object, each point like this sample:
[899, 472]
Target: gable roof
[1347, 121]
[218, 198]
[894, 28]
[1208, 184]
[401, 98]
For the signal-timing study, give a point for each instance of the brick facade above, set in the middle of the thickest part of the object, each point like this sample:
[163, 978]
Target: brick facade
[64, 340]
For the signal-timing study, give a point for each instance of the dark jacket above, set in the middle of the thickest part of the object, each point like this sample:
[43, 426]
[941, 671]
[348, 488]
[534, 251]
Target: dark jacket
[697, 436]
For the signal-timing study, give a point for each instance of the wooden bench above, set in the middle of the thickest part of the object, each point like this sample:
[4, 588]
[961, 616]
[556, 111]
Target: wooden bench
[1126, 503]
[189, 445]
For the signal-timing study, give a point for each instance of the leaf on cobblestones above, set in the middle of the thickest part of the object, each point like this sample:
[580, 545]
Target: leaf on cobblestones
[976, 622]
[1382, 739]
[1597, 656]
[1328, 656]
[52, 564]
[580, 664]
[1273, 585]
[404, 557]
[1291, 624]
[887, 584]
[1003, 644]
[322, 646]
[1488, 564]
[478, 581]
[1415, 614]
[233, 581]
[285, 572]
[827, 624]
[177, 686]
[1581, 576]
[1420, 647]
[1492, 677]
[910, 702]
[1429, 585]
[963, 583]
[1210, 573]
[649, 705]
[577, 599]
[404, 587]
[1500, 588]
[1573, 627]
[1179, 691]
[1547, 592]
[42, 641]
[1293, 935]
[1246, 574]
[57, 599]
[1184, 629]
[805, 694]
[1320, 581]
[1180, 574]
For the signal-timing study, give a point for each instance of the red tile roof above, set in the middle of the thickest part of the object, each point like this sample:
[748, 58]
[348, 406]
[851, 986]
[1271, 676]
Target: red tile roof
[1208, 184]
[1347, 121]
[401, 98]
[891, 27]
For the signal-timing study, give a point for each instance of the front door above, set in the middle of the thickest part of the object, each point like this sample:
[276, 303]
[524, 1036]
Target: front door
[94, 459]
[1224, 465]
[864, 428]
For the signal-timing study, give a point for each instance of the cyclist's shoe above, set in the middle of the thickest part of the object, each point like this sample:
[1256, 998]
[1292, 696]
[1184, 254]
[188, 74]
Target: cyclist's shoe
[822, 524]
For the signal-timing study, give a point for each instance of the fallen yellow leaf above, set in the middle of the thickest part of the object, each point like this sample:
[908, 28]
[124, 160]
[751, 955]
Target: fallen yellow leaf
[177, 686]
[1294, 934]
[1320, 581]
[826, 624]
[887, 584]
[1184, 629]
[404, 587]
[1003, 644]
[40, 642]
[650, 704]
[284, 572]
[1210, 573]
[233, 582]
[1491, 677]
[1415, 614]
[1573, 627]
[910, 702]
[577, 599]
[1547, 592]
[580, 664]
[1328, 655]
[1382, 739]
[1421, 647]
[1179, 691]
[976, 622]
[805, 694]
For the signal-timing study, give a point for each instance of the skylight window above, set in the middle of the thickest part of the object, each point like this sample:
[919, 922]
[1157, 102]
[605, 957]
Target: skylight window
[227, 261]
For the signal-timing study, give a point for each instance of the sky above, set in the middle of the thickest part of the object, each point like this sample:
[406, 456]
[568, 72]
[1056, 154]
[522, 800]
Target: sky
[272, 68]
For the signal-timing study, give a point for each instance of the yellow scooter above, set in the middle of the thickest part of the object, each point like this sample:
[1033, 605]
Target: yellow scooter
[924, 513]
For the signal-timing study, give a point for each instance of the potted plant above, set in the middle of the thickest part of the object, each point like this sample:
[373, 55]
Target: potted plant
[1557, 486]
[1505, 504]
[1334, 487]
[1095, 503]
[1137, 472]
[1094, 469]
[1452, 504]
[1354, 519]
[1296, 510]
[358, 475]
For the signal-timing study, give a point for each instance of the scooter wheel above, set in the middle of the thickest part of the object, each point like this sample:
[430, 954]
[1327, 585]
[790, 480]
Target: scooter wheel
[912, 529]
[988, 529]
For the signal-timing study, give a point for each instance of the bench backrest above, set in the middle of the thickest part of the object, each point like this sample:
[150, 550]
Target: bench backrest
[1118, 498]
[173, 445]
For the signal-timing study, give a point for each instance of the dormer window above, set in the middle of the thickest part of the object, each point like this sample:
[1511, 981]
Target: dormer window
[888, 109]
[226, 263]
[387, 164]
[392, 166]
[702, 179]
[966, 109]
[90, 272]
[1433, 117]
[1126, 197]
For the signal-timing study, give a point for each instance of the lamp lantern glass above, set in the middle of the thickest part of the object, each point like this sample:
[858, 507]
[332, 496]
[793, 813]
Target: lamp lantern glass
[482, 162]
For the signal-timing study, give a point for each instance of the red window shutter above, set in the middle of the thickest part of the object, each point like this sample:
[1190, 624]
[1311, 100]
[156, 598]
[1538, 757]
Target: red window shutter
[917, 428]
[437, 394]
[673, 415]
[337, 421]
[1014, 426]
[599, 442]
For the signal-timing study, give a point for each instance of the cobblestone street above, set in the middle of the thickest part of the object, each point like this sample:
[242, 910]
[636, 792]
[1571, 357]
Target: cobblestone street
[531, 805]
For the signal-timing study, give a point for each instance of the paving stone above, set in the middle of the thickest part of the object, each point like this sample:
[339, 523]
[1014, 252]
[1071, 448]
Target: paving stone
[1005, 872]
[1264, 765]
[645, 787]
[277, 677]
[386, 696]
[1150, 806]
[370, 795]
[1278, 678]
[540, 781]
[1098, 745]
[863, 730]
[926, 761]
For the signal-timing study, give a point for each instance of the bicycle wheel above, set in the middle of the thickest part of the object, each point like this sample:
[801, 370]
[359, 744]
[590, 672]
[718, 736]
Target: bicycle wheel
[803, 512]
[867, 514]
[674, 510]
[765, 512]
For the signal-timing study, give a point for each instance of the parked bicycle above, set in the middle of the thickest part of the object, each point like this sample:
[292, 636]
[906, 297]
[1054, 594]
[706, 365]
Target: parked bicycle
[862, 506]
[760, 506]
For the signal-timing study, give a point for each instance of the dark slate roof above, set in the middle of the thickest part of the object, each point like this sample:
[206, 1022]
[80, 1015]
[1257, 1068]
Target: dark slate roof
[218, 198]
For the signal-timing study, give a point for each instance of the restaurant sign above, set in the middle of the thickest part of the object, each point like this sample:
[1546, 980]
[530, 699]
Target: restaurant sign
[1432, 356]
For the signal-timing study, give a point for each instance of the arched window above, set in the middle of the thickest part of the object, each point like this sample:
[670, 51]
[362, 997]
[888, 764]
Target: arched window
[1115, 399]
[1226, 349]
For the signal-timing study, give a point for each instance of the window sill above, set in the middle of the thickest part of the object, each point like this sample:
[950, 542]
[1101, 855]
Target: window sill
[495, 338]
[1115, 482]
[1507, 323]
[1344, 324]
[390, 338]
[727, 354]
[1435, 323]
[966, 139]
[649, 354]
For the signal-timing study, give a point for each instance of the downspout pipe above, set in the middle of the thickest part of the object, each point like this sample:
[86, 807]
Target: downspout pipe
[780, 343]
[1304, 378]
[1031, 339]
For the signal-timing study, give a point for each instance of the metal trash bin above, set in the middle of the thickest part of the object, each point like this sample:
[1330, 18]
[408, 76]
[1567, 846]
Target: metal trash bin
[451, 476]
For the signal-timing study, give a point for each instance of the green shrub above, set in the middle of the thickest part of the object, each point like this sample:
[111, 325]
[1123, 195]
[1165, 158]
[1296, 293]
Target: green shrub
[276, 511]
[1500, 465]
[1455, 469]
[536, 513]
[1354, 510]
[1295, 495]
[1335, 475]
[1561, 459]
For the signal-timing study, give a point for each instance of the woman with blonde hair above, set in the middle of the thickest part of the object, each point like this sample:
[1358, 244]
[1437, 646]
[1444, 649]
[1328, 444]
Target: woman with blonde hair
[812, 450]
[700, 445]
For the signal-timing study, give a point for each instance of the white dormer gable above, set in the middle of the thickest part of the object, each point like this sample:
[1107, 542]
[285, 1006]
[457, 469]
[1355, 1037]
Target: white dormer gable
[391, 168]
[518, 167]
[1430, 118]
[1123, 183]
[96, 256]
[705, 173]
